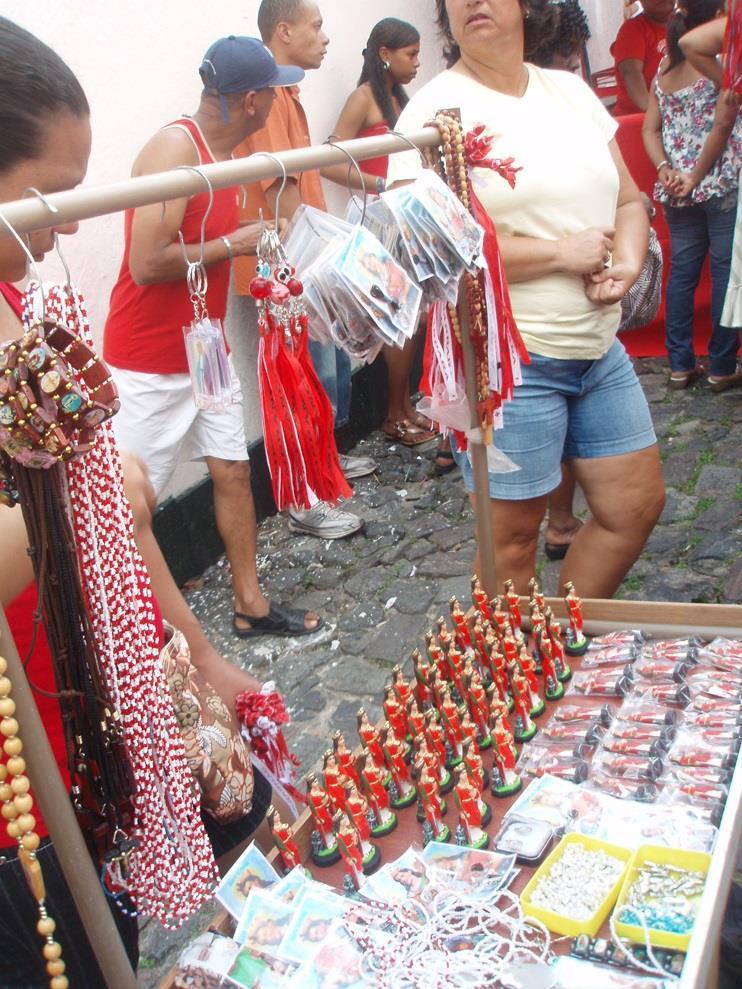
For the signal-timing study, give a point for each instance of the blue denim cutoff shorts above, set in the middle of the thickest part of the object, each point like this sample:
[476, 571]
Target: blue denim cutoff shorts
[566, 409]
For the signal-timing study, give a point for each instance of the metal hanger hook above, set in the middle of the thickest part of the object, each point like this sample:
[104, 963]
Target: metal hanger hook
[54, 210]
[284, 179]
[197, 169]
[403, 137]
[353, 164]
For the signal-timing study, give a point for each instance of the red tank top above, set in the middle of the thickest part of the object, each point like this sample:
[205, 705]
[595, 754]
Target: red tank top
[144, 329]
[375, 166]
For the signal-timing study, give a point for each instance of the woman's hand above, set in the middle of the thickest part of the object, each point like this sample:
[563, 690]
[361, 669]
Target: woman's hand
[682, 185]
[606, 287]
[585, 251]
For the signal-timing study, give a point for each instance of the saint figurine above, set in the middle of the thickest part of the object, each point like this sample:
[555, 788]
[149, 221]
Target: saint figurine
[422, 669]
[373, 778]
[345, 757]
[474, 812]
[402, 687]
[461, 629]
[536, 597]
[512, 599]
[552, 687]
[369, 735]
[479, 599]
[394, 752]
[283, 839]
[395, 714]
[576, 640]
[335, 779]
[432, 806]
[525, 729]
[324, 844]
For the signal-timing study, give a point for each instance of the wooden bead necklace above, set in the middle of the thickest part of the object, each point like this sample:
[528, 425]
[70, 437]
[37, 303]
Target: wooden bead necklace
[17, 804]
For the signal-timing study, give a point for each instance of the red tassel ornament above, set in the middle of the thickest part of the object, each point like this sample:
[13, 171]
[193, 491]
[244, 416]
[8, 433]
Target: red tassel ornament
[298, 424]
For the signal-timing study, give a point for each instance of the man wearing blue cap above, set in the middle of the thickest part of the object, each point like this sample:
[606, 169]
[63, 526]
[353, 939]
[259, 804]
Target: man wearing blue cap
[150, 305]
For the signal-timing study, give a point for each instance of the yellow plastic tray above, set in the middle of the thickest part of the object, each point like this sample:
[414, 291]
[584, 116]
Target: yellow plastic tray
[693, 861]
[558, 923]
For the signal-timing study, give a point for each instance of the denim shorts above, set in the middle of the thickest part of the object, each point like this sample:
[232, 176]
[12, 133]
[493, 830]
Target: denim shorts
[565, 410]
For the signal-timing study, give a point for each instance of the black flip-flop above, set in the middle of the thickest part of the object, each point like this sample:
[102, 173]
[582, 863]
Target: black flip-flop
[278, 621]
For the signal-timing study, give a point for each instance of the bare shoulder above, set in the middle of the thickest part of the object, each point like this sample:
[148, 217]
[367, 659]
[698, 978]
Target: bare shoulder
[168, 148]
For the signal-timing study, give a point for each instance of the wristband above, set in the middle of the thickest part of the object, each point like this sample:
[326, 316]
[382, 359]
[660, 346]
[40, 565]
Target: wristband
[662, 164]
[228, 245]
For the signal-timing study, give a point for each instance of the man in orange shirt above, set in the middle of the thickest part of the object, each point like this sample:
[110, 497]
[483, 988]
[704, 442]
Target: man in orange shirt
[292, 31]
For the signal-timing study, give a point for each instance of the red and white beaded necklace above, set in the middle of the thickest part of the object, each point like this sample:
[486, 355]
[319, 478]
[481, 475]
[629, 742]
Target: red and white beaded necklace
[172, 871]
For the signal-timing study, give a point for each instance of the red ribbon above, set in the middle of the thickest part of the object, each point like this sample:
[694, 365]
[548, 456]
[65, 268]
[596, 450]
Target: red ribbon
[477, 146]
[262, 713]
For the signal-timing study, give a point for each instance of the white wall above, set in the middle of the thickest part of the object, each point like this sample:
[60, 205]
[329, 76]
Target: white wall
[605, 17]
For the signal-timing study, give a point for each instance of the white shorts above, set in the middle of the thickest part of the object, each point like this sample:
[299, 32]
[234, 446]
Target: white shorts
[159, 422]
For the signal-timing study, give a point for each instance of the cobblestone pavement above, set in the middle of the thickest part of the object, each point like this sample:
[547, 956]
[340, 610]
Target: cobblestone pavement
[380, 591]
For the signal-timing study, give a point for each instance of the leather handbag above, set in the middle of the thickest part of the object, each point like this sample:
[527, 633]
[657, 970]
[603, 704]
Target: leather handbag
[216, 752]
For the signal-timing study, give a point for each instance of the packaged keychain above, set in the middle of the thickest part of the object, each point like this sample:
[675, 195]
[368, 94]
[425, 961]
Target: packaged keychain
[211, 379]
[624, 789]
[612, 681]
[624, 637]
[627, 766]
[584, 712]
[610, 656]
[644, 710]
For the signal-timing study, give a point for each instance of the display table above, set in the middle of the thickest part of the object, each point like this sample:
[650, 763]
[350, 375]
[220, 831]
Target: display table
[655, 619]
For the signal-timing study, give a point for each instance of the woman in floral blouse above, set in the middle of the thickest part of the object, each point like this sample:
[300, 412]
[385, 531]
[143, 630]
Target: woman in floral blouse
[678, 119]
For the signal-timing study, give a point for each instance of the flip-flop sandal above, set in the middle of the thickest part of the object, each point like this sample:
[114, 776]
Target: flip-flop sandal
[440, 469]
[278, 621]
[557, 551]
[407, 433]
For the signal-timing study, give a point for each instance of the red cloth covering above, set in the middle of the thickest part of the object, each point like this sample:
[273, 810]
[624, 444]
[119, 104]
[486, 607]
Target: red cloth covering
[375, 166]
[144, 329]
[638, 38]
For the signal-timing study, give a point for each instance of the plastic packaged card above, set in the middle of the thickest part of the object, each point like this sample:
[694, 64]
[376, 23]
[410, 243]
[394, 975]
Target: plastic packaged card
[395, 881]
[264, 921]
[211, 377]
[310, 922]
[480, 874]
[251, 871]
[449, 215]
[336, 964]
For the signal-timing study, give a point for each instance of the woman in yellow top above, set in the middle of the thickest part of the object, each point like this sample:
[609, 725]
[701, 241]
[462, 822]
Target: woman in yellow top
[573, 235]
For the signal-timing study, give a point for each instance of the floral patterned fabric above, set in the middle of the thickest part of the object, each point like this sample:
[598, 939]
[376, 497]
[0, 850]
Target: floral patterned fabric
[687, 116]
[217, 754]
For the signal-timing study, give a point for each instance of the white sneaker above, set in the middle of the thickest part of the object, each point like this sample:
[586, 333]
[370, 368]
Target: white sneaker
[324, 521]
[356, 466]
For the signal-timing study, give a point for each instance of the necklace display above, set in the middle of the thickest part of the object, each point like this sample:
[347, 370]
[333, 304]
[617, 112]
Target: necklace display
[143, 817]
[17, 804]
[297, 415]
[498, 348]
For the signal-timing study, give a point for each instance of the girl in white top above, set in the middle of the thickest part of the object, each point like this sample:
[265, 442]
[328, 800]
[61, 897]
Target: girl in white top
[573, 235]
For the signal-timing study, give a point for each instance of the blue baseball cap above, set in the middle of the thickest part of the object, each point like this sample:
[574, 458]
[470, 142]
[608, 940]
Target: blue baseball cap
[240, 64]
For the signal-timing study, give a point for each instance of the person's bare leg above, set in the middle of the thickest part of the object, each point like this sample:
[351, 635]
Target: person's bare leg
[228, 680]
[398, 366]
[626, 495]
[562, 525]
[235, 519]
[515, 526]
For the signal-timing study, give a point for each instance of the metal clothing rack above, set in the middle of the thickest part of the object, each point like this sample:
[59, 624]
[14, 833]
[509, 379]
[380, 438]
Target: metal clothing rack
[30, 214]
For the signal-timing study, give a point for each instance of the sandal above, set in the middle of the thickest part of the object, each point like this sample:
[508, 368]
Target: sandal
[449, 462]
[679, 380]
[557, 551]
[278, 621]
[720, 382]
[407, 433]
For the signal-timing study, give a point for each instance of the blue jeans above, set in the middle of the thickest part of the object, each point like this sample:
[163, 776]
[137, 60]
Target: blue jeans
[695, 231]
[333, 370]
